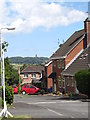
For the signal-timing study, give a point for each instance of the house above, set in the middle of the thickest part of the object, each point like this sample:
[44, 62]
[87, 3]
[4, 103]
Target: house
[80, 63]
[64, 59]
[32, 74]
[48, 71]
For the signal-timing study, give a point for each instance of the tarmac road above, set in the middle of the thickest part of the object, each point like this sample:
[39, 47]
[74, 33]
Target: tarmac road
[48, 107]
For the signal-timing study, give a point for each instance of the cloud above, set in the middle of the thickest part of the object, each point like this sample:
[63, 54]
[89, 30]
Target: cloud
[27, 15]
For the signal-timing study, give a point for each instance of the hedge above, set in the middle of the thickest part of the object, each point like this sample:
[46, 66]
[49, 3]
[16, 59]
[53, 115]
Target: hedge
[83, 81]
[8, 94]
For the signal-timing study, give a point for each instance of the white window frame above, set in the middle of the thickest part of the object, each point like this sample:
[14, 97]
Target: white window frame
[25, 75]
[72, 82]
[64, 83]
[33, 75]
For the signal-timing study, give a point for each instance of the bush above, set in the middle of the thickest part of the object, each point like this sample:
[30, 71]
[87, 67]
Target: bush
[59, 93]
[42, 91]
[83, 81]
[70, 94]
[38, 85]
[9, 94]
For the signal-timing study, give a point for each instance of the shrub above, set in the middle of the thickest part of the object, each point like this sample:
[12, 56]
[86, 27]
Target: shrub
[83, 81]
[38, 85]
[42, 91]
[59, 93]
[70, 94]
[9, 94]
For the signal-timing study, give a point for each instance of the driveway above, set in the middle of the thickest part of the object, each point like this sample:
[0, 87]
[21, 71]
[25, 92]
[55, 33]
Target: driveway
[48, 107]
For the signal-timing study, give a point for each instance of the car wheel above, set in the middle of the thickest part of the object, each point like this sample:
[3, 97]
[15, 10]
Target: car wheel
[23, 92]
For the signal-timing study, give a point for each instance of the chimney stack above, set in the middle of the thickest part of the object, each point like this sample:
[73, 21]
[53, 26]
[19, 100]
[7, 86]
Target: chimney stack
[87, 26]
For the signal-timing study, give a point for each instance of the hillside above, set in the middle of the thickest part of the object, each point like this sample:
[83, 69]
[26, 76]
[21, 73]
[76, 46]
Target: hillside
[27, 60]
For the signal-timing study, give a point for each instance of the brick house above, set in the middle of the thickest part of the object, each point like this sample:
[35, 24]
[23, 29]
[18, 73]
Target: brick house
[80, 63]
[31, 74]
[63, 60]
[48, 71]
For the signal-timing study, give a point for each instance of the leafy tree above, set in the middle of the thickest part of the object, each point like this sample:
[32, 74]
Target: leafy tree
[11, 74]
[22, 67]
[83, 81]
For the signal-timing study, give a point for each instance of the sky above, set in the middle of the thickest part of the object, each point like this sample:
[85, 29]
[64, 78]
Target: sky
[40, 25]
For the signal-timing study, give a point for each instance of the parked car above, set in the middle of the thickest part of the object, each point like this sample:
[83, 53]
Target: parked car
[15, 89]
[29, 89]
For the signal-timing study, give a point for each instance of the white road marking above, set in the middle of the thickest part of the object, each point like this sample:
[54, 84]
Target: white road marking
[44, 102]
[69, 101]
[55, 112]
[38, 102]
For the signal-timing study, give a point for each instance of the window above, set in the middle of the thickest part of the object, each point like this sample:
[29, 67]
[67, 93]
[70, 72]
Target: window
[72, 81]
[59, 82]
[62, 63]
[25, 75]
[63, 83]
[33, 75]
[67, 81]
[54, 63]
[58, 61]
[32, 87]
[26, 86]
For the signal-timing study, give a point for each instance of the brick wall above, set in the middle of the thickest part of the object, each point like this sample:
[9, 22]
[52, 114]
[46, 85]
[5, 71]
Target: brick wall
[68, 87]
[49, 71]
[29, 79]
[74, 52]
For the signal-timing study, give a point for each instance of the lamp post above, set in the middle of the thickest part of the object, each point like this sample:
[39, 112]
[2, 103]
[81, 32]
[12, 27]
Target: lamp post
[4, 112]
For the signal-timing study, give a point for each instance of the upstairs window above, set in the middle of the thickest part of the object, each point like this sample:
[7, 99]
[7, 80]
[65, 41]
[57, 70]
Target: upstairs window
[54, 63]
[60, 63]
[25, 75]
[33, 75]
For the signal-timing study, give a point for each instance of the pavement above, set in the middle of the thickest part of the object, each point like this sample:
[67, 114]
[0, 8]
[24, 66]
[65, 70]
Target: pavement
[35, 106]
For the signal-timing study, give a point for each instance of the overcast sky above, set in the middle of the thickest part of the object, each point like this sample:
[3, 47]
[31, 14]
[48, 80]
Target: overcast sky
[40, 24]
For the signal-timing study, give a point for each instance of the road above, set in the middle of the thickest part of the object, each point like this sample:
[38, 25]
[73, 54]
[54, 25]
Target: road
[48, 107]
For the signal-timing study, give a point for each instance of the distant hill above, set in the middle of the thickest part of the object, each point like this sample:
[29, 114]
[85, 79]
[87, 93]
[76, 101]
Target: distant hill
[28, 60]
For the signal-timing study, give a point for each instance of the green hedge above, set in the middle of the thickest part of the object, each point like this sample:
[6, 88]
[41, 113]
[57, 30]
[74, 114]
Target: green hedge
[83, 81]
[9, 94]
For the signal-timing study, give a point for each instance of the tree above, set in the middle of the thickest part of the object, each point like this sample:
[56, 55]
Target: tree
[11, 74]
[83, 81]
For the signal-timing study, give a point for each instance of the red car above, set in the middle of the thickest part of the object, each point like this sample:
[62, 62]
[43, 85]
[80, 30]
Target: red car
[15, 89]
[29, 89]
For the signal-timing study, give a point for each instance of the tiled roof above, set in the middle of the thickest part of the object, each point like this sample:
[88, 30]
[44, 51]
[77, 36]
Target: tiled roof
[69, 44]
[33, 68]
[81, 63]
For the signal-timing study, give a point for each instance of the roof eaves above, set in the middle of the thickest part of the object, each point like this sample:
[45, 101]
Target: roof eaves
[48, 63]
[54, 58]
